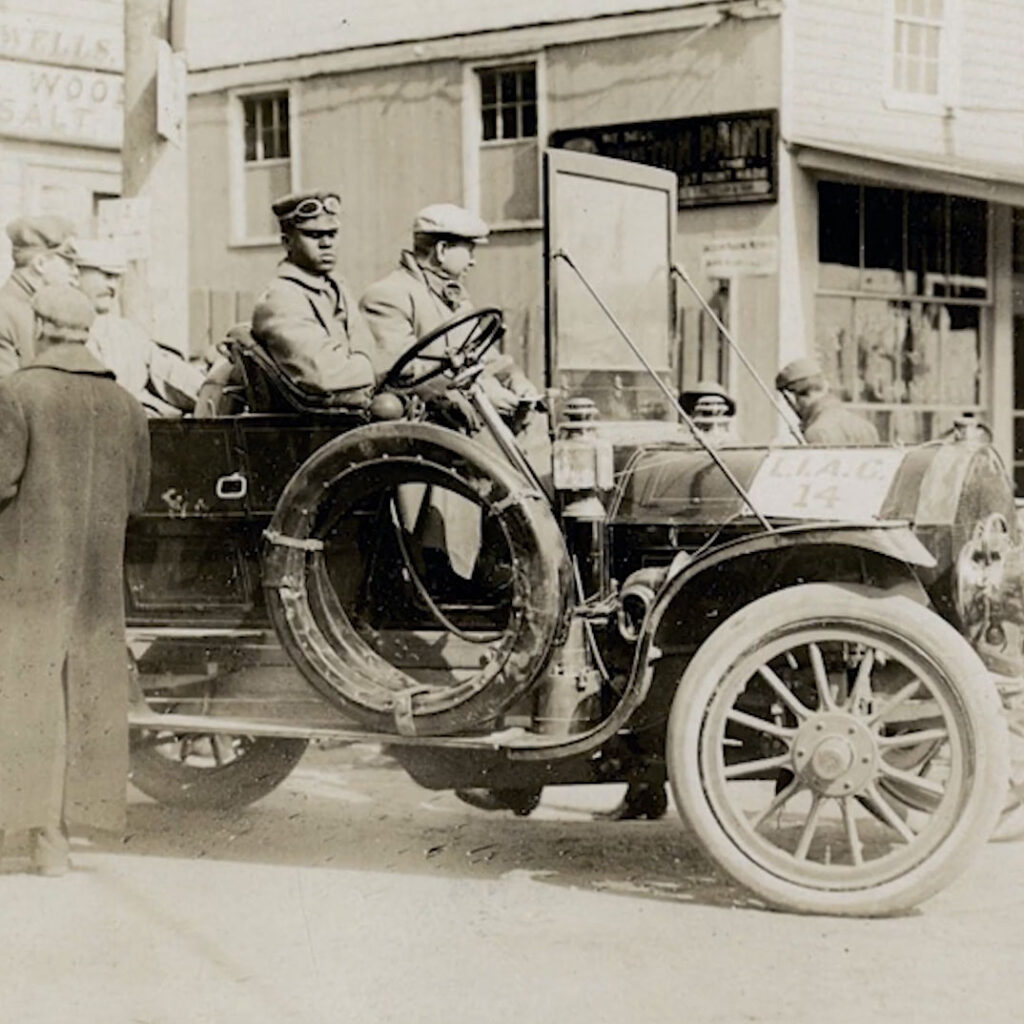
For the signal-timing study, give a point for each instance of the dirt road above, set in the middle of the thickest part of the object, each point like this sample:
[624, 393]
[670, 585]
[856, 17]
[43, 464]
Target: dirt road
[350, 894]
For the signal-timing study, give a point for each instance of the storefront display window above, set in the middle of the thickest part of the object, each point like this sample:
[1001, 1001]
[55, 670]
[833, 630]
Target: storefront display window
[901, 304]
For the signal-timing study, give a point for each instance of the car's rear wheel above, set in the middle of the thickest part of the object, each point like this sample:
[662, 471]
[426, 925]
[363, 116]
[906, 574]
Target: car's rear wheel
[788, 743]
[201, 771]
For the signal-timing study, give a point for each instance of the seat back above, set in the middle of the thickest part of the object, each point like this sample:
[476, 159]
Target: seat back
[269, 389]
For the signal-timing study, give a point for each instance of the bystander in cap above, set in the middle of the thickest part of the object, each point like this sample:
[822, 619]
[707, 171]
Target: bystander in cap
[106, 254]
[707, 396]
[796, 371]
[47, 233]
[450, 221]
[63, 313]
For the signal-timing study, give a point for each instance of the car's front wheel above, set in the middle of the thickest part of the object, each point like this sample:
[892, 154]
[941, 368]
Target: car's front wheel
[788, 746]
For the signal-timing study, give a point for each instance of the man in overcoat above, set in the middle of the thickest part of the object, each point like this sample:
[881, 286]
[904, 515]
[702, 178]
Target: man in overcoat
[306, 318]
[43, 251]
[74, 462]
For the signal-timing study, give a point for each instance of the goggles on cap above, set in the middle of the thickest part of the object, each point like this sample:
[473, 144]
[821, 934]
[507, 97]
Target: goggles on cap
[313, 206]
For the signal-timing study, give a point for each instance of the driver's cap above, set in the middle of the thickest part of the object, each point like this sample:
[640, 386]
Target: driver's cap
[450, 221]
[796, 371]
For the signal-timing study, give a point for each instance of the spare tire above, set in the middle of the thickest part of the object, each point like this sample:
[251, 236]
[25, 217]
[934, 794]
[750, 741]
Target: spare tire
[337, 484]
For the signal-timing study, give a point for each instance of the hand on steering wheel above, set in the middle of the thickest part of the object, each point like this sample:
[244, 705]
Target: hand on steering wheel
[484, 328]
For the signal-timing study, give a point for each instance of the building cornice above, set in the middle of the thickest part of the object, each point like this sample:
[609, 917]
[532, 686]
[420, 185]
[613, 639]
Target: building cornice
[476, 46]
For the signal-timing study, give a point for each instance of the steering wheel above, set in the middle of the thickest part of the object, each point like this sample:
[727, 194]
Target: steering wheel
[484, 329]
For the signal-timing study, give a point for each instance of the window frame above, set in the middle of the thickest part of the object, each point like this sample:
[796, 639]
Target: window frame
[237, 235]
[948, 89]
[472, 131]
[984, 305]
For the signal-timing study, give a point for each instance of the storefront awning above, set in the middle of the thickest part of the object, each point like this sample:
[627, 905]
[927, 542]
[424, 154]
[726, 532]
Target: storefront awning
[978, 179]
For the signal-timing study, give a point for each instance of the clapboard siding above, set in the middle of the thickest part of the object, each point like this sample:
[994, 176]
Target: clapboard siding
[838, 74]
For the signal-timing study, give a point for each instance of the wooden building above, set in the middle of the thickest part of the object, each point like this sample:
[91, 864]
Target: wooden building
[849, 173]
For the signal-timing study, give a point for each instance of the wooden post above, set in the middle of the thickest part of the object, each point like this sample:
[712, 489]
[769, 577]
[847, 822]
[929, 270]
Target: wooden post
[155, 172]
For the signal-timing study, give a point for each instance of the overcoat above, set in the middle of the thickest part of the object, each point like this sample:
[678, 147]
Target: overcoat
[17, 323]
[74, 462]
[833, 423]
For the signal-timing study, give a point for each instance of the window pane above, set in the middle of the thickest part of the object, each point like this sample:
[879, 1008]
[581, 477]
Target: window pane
[930, 85]
[927, 243]
[508, 86]
[529, 84]
[968, 240]
[490, 123]
[529, 121]
[488, 90]
[250, 136]
[883, 240]
[838, 236]
[509, 128]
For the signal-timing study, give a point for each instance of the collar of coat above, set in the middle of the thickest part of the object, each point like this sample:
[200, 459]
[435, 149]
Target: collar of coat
[447, 289]
[314, 282]
[71, 357]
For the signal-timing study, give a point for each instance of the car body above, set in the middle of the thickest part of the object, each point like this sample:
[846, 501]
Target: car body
[811, 642]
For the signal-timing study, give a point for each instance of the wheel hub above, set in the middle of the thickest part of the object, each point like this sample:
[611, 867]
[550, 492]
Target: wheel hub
[835, 754]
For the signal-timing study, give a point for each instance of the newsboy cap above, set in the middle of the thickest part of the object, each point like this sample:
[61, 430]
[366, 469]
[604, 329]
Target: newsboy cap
[706, 389]
[451, 221]
[300, 207]
[106, 254]
[796, 371]
[45, 233]
[65, 312]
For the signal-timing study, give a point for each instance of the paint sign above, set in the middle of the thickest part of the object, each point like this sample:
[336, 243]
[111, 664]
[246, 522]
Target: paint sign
[61, 104]
[815, 483]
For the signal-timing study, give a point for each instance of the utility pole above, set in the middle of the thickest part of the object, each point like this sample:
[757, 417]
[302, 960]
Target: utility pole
[155, 170]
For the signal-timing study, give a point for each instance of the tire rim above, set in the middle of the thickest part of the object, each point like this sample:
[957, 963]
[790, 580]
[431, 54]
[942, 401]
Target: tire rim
[846, 717]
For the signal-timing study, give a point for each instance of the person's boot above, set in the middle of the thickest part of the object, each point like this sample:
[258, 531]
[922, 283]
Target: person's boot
[643, 801]
[50, 851]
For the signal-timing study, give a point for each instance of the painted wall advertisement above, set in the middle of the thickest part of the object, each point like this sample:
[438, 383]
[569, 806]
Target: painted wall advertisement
[57, 104]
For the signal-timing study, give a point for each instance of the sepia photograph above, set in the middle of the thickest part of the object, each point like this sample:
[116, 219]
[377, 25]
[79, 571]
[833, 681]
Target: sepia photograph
[508, 512]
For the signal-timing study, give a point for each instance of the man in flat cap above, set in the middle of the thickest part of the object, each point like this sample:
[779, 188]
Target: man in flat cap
[160, 378]
[427, 289]
[712, 410]
[307, 319]
[74, 462]
[823, 417]
[43, 251]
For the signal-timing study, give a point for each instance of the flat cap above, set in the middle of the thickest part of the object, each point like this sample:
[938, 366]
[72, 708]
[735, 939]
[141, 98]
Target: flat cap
[706, 389]
[45, 232]
[65, 312]
[796, 371]
[106, 254]
[451, 221]
[299, 207]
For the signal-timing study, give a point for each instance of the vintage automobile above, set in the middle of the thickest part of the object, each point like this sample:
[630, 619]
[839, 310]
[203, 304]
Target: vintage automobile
[813, 642]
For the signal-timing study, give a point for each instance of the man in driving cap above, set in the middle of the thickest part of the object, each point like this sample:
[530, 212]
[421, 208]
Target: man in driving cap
[824, 419]
[425, 290]
[712, 409]
[157, 376]
[307, 319]
[43, 251]
[74, 462]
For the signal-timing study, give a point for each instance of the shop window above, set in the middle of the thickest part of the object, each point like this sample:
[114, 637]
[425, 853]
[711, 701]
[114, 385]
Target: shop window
[921, 35]
[264, 128]
[507, 99]
[903, 290]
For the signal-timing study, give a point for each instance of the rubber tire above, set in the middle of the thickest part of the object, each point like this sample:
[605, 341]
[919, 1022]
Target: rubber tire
[968, 680]
[262, 768]
[316, 633]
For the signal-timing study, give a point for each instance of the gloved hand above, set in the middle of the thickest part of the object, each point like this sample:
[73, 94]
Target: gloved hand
[454, 410]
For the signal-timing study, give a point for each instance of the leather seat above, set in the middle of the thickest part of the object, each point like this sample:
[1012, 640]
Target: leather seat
[269, 389]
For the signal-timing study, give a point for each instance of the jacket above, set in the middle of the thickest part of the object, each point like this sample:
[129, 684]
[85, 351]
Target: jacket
[311, 326]
[832, 423]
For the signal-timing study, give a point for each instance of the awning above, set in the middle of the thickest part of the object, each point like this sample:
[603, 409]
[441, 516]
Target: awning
[928, 172]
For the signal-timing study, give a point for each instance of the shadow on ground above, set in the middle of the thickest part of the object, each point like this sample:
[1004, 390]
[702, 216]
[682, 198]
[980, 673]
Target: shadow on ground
[334, 813]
